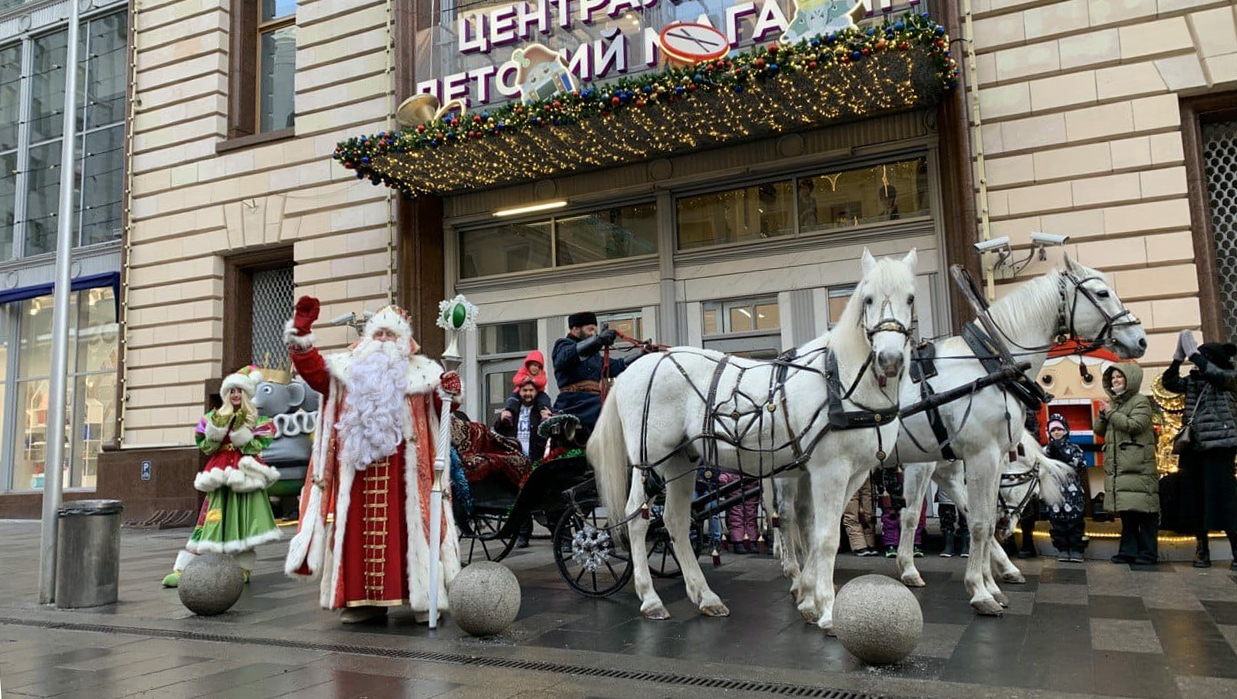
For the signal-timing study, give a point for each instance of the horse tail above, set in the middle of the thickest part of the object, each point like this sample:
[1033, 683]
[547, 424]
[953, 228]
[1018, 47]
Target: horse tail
[607, 452]
[1055, 476]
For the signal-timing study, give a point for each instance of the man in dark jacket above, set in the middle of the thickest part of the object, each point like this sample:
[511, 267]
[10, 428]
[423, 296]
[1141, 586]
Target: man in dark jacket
[1208, 487]
[578, 361]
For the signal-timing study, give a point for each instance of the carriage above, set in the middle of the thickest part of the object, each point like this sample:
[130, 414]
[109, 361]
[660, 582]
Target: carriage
[561, 495]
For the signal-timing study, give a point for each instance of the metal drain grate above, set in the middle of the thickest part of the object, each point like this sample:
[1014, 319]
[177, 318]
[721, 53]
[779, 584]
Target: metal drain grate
[669, 678]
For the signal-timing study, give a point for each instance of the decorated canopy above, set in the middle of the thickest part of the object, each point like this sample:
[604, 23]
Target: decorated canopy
[771, 89]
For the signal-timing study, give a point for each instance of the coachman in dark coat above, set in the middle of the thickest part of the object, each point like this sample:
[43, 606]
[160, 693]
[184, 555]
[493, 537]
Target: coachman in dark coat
[578, 362]
[1208, 487]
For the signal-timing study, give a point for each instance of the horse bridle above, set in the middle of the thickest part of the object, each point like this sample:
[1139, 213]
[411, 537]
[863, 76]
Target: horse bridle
[1012, 513]
[1066, 316]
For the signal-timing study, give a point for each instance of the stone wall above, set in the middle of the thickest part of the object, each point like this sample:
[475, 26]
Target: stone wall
[1082, 136]
[193, 206]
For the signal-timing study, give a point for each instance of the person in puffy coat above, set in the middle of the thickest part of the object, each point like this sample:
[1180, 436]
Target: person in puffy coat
[1208, 488]
[1131, 482]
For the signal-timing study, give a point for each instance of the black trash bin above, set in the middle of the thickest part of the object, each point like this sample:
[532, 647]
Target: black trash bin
[88, 553]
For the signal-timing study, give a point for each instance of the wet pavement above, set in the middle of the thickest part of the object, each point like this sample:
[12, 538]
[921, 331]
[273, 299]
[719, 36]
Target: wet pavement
[1093, 629]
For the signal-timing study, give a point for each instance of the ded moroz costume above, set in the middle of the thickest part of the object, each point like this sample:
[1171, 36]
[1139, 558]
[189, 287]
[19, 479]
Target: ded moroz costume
[365, 526]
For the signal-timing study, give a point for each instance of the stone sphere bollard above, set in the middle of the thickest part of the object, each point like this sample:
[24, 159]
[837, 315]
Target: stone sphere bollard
[211, 584]
[484, 598]
[877, 619]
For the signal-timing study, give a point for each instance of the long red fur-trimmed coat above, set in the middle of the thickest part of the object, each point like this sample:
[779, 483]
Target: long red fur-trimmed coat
[317, 549]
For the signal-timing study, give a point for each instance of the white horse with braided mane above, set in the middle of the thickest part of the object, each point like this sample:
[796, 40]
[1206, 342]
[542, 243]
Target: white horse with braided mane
[830, 410]
[984, 426]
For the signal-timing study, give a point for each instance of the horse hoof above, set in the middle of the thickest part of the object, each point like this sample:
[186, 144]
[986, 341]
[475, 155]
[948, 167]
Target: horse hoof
[809, 615]
[715, 610]
[913, 581]
[1014, 579]
[1001, 599]
[988, 607]
[657, 613]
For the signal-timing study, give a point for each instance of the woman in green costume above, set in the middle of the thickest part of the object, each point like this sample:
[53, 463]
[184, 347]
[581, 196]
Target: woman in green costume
[236, 514]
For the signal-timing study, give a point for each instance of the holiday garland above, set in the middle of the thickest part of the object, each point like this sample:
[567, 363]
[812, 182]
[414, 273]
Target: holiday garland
[539, 138]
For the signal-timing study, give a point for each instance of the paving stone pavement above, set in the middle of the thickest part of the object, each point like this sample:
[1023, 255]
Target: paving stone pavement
[1094, 629]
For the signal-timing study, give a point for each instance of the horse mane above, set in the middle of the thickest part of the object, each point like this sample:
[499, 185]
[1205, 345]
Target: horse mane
[1036, 300]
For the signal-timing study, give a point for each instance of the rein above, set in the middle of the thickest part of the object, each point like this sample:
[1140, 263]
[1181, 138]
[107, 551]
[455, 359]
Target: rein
[1010, 513]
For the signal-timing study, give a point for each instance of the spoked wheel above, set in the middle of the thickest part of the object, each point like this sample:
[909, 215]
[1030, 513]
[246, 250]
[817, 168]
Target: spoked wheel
[590, 558]
[485, 544]
[663, 561]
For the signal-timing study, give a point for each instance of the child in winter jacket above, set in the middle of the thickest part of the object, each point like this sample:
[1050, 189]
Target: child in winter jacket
[1066, 519]
[533, 369]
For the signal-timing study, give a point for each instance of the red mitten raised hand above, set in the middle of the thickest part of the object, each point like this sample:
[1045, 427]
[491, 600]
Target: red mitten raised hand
[451, 383]
[306, 313]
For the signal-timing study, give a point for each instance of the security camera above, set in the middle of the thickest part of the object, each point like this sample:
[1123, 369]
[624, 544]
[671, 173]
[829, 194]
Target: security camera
[1049, 239]
[993, 244]
[345, 319]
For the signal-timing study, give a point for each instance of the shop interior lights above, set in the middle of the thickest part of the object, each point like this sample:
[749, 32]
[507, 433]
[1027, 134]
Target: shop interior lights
[531, 208]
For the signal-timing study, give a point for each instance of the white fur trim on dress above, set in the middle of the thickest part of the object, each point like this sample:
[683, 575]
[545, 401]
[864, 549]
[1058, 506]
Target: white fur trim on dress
[423, 373]
[237, 546]
[182, 559]
[214, 432]
[291, 339]
[247, 476]
[342, 499]
[308, 546]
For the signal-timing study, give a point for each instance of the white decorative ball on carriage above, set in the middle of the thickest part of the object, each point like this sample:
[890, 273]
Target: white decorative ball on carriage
[484, 598]
[210, 584]
[877, 619]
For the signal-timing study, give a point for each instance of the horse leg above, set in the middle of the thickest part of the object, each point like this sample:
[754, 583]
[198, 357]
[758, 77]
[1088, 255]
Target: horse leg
[914, 489]
[981, 489]
[830, 490]
[1004, 568]
[637, 529]
[788, 527]
[679, 490]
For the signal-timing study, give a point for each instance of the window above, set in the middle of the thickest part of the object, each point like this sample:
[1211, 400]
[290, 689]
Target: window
[91, 414]
[262, 83]
[500, 353]
[30, 164]
[630, 324]
[824, 202]
[609, 234]
[744, 327]
[258, 297]
[839, 296]
[276, 84]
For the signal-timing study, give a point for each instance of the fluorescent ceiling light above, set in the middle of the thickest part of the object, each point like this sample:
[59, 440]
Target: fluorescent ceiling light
[544, 206]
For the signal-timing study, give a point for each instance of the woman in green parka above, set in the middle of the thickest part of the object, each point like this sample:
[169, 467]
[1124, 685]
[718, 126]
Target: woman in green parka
[1131, 482]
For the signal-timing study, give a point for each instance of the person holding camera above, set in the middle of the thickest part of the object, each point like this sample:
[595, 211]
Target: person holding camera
[1208, 488]
[578, 364]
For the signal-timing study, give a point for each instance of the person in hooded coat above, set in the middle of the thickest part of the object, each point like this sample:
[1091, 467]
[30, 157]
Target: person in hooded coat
[1131, 481]
[1208, 494]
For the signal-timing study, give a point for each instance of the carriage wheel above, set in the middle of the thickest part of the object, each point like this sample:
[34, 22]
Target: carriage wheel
[589, 558]
[484, 544]
[663, 561]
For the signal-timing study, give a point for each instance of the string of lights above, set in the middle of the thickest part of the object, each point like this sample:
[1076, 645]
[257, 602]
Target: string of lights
[857, 73]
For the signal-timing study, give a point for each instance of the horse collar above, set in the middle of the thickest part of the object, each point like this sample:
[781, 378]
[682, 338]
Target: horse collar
[839, 417]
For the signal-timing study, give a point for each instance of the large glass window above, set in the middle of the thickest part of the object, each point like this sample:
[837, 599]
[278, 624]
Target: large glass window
[501, 350]
[608, 234]
[277, 51]
[30, 176]
[822, 202]
[91, 414]
[744, 327]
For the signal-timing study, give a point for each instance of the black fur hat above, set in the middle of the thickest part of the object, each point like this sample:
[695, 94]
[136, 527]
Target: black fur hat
[581, 319]
[1219, 353]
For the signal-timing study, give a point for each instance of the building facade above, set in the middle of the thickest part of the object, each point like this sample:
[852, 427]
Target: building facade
[33, 40]
[1113, 123]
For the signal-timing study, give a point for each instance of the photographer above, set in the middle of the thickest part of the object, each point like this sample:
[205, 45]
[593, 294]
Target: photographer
[578, 363]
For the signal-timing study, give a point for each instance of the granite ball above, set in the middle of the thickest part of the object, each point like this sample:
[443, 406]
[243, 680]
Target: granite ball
[484, 598]
[211, 584]
[877, 619]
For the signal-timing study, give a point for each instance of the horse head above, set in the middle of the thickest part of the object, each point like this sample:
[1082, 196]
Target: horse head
[884, 307]
[1092, 312]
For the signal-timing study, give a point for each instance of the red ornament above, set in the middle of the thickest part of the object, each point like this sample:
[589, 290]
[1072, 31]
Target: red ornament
[880, 45]
[691, 87]
[772, 48]
[940, 43]
[476, 119]
[348, 164]
[640, 103]
[903, 46]
[811, 64]
[759, 63]
[556, 104]
[867, 51]
[420, 128]
[846, 59]
[519, 110]
[615, 101]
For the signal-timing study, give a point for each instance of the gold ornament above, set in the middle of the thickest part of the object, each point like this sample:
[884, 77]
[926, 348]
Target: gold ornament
[1167, 421]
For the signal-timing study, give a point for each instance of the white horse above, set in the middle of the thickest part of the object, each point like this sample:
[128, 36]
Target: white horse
[1030, 475]
[1076, 302]
[831, 410]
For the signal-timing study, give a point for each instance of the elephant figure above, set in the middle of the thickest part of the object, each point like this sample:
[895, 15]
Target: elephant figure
[293, 407]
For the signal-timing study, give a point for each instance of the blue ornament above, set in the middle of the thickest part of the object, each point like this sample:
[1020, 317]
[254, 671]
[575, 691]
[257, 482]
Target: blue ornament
[773, 68]
[698, 77]
[815, 41]
[738, 88]
[899, 25]
[365, 160]
[856, 55]
[871, 31]
[831, 37]
[939, 30]
[648, 89]
[679, 90]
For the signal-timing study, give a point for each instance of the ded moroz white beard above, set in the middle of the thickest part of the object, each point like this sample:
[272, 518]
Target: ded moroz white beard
[373, 415]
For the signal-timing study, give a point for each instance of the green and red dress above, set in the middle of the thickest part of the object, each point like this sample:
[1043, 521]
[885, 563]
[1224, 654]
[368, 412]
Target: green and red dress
[236, 515]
